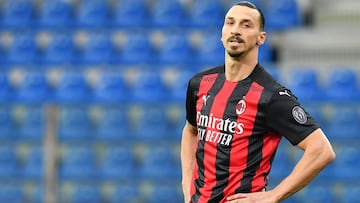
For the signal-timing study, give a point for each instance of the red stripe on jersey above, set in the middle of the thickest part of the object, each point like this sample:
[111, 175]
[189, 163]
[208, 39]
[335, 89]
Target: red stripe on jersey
[205, 85]
[210, 148]
[271, 142]
[240, 144]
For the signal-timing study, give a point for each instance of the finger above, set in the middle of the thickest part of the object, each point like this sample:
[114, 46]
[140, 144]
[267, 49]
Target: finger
[236, 196]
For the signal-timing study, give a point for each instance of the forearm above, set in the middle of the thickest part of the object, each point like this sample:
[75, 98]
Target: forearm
[187, 158]
[315, 158]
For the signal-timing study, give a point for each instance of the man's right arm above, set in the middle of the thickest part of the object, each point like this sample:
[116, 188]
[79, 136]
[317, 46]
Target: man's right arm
[188, 141]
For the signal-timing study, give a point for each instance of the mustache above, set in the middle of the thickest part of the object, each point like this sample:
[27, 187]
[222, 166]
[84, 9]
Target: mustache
[235, 38]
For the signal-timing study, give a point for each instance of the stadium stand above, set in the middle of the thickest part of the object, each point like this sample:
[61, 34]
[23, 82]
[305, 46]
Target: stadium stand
[116, 72]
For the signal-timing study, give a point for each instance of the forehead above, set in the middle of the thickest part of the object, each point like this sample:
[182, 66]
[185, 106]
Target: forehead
[242, 12]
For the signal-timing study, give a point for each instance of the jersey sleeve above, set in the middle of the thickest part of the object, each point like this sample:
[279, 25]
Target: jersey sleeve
[287, 117]
[191, 99]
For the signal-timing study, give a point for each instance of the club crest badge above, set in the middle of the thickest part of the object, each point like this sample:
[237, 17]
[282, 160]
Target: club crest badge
[240, 107]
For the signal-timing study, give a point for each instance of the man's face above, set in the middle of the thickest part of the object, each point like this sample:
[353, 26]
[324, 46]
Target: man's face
[241, 31]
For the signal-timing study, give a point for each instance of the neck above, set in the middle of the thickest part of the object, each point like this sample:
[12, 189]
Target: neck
[237, 69]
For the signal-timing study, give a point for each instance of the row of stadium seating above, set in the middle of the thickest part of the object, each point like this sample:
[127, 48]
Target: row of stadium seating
[115, 47]
[133, 13]
[163, 85]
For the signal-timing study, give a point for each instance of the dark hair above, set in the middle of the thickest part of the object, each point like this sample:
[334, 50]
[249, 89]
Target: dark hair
[251, 5]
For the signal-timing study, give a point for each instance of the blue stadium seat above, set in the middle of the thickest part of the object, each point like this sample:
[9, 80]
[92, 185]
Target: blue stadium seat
[282, 164]
[118, 163]
[342, 85]
[98, 49]
[6, 90]
[9, 163]
[206, 14]
[125, 193]
[351, 194]
[149, 87]
[266, 52]
[60, 49]
[175, 49]
[149, 117]
[55, 14]
[33, 164]
[37, 195]
[72, 88]
[282, 15]
[113, 125]
[92, 14]
[78, 163]
[179, 85]
[86, 194]
[211, 50]
[111, 89]
[22, 50]
[343, 124]
[12, 193]
[160, 164]
[317, 194]
[7, 123]
[32, 124]
[167, 14]
[165, 193]
[17, 14]
[130, 13]
[137, 49]
[74, 124]
[304, 84]
[347, 164]
[33, 88]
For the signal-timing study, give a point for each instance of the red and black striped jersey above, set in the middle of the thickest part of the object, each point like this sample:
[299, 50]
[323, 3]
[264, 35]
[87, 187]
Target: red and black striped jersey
[240, 125]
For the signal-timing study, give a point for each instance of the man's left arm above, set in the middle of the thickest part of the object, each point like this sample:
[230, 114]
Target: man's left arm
[318, 153]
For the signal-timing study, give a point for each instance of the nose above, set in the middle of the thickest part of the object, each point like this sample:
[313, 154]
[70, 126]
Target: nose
[235, 30]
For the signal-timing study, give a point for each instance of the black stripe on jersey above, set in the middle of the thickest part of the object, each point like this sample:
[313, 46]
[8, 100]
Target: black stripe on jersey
[218, 84]
[222, 174]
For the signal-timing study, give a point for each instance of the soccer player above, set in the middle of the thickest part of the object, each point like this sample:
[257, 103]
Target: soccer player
[236, 116]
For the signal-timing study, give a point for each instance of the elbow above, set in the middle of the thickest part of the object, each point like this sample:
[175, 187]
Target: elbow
[330, 157]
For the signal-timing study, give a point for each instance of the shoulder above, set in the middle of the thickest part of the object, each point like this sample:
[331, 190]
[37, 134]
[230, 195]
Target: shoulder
[208, 75]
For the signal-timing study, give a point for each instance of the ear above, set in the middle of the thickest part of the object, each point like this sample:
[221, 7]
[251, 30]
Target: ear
[261, 38]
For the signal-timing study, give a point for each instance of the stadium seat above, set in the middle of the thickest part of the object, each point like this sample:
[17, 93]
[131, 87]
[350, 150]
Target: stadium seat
[150, 116]
[55, 14]
[165, 193]
[98, 49]
[351, 194]
[33, 164]
[111, 89]
[72, 88]
[304, 84]
[179, 85]
[9, 163]
[22, 49]
[12, 193]
[266, 52]
[125, 193]
[86, 194]
[159, 163]
[342, 85]
[282, 15]
[167, 14]
[175, 49]
[7, 123]
[92, 14]
[78, 163]
[317, 194]
[211, 50]
[149, 87]
[130, 13]
[33, 123]
[74, 124]
[347, 163]
[17, 14]
[206, 14]
[113, 125]
[118, 163]
[60, 50]
[137, 49]
[33, 88]
[6, 91]
[343, 124]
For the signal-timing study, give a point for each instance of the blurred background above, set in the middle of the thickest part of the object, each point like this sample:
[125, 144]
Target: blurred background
[92, 93]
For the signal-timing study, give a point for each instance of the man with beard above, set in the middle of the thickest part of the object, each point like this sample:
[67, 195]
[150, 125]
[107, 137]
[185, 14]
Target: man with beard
[236, 115]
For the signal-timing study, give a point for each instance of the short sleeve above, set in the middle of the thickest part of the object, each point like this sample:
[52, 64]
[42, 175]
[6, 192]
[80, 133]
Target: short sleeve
[191, 100]
[287, 117]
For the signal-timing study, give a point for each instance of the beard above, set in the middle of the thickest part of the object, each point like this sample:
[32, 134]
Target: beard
[235, 54]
